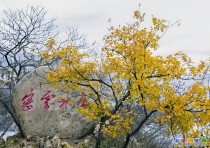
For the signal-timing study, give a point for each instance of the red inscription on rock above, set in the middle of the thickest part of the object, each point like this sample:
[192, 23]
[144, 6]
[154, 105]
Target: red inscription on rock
[46, 99]
[83, 101]
[64, 103]
[27, 100]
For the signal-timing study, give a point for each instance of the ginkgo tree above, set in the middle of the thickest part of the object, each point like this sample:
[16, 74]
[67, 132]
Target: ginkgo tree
[128, 75]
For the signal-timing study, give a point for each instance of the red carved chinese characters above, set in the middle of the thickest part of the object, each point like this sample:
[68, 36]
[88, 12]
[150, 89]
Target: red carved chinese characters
[46, 99]
[83, 101]
[64, 102]
[27, 100]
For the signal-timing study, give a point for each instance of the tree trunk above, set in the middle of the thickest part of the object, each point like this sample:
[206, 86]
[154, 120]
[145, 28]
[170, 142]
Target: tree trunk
[129, 135]
[13, 116]
[99, 138]
[127, 141]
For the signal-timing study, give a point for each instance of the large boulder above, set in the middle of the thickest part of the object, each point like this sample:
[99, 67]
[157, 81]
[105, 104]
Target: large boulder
[45, 111]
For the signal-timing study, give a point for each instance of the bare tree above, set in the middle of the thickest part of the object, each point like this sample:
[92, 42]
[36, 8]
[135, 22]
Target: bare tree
[22, 34]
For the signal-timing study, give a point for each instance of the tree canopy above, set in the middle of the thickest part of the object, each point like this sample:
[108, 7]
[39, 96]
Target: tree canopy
[128, 75]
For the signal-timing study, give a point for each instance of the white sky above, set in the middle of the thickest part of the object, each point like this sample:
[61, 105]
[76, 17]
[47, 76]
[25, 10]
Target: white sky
[90, 17]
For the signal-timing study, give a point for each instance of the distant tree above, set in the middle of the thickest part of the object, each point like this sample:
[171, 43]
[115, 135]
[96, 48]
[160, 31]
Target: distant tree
[129, 75]
[23, 34]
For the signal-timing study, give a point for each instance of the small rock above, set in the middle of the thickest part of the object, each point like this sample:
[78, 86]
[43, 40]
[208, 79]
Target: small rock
[48, 144]
[28, 146]
[87, 142]
[65, 145]
[28, 137]
[76, 142]
[23, 143]
[35, 138]
[42, 142]
[56, 142]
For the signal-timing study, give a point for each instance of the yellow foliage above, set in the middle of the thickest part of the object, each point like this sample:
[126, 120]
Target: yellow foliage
[129, 74]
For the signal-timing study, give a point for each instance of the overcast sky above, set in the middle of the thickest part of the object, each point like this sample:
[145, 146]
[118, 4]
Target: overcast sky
[90, 17]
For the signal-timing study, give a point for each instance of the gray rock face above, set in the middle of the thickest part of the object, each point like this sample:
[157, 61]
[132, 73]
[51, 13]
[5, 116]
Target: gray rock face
[41, 112]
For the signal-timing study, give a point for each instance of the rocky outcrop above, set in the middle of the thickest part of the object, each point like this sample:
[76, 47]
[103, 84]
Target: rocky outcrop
[47, 142]
[44, 111]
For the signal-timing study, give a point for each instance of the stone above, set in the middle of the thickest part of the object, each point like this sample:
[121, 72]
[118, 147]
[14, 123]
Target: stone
[28, 146]
[42, 142]
[65, 145]
[23, 143]
[56, 142]
[41, 112]
[48, 144]
[86, 142]
[36, 138]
